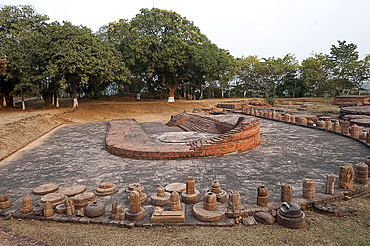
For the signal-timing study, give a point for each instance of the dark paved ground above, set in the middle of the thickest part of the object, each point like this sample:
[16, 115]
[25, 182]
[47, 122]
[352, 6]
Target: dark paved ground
[75, 154]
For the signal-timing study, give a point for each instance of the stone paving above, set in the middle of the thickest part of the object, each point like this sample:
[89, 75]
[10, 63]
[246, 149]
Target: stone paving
[75, 154]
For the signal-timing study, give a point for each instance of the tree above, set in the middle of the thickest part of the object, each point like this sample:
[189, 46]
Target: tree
[315, 73]
[158, 47]
[269, 72]
[19, 27]
[344, 62]
[247, 73]
[77, 58]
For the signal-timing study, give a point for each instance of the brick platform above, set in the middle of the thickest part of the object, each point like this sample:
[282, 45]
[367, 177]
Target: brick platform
[126, 138]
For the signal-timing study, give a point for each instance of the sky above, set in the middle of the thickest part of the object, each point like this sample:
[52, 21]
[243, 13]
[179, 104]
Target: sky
[264, 28]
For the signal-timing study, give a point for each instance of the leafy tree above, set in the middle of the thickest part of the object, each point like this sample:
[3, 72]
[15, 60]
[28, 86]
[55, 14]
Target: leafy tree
[19, 27]
[247, 73]
[269, 72]
[344, 62]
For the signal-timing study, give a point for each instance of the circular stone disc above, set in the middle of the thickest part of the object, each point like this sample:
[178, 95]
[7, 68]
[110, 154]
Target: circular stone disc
[72, 190]
[179, 187]
[45, 189]
[210, 216]
[83, 197]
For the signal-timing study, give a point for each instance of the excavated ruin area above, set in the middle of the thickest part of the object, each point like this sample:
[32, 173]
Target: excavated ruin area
[185, 136]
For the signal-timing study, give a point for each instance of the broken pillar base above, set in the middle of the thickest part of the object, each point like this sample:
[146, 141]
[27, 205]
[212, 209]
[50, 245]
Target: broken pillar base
[135, 217]
[210, 216]
[190, 198]
[161, 201]
[162, 216]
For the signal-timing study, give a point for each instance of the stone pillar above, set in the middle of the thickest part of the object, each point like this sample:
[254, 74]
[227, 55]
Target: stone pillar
[310, 123]
[161, 192]
[27, 205]
[134, 202]
[286, 193]
[361, 174]
[278, 116]
[210, 201]
[70, 206]
[262, 197]
[329, 123]
[4, 201]
[234, 205]
[265, 114]
[252, 111]
[48, 209]
[257, 113]
[269, 114]
[337, 126]
[287, 117]
[363, 135]
[216, 188]
[190, 186]
[368, 165]
[308, 189]
[345, 180]
[345, 127]
[292, 119]
[117, 215]
[190, 195]
[321, 124]
[114, 207]
[274, 115]
[329, 184]
[175, 201]
[368, 138]
[355, 131]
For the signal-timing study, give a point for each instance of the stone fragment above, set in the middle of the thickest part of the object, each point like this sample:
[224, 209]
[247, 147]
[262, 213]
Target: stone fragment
[337, 126]
[292, 119]
[308, 189]
[234, 206]
[70, 206]
[345, 180]
[329, 124]
[162, 216]
[118, 213]
[321, 124]
[190, 195]
[139, 188]
[287, 117]
[54, 198]
[161, 198]
[95, 209]
[114, 207]
[363, 135]
[345, 127]
[355, 131]
[80, 212]
[290, 215]
[175, 201]
[38, 211]
[220, 194]
[48, 210]
[27, 205]
[179, 187]
[310, 123]
[210, 201]
[279, 117]
[286, 193]
[250, 220]
[106, 189]
[81, 200]
[269, 114]
[4, 201]
[61, 209]
[135, 212]
[264, 218]
[45, 189]
[72, 190]
[361, 174]
[262, 196]
[211, 210]
[301, 120]
[329, 184]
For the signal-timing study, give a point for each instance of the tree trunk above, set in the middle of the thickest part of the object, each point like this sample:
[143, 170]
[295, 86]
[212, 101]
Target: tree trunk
[201, 92]
[52, 100]
[56, 99]
[75, 101]
[4, 99]
[245, 93]
[23, 104]
[222, 91]
[172, 89]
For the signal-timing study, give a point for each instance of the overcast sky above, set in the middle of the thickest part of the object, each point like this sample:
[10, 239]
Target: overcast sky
[264, 27]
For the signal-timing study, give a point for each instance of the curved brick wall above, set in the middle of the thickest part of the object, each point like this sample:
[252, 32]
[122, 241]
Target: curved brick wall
[126, 138]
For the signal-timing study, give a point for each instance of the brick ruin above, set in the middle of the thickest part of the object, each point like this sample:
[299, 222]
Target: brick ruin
[127, 138]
